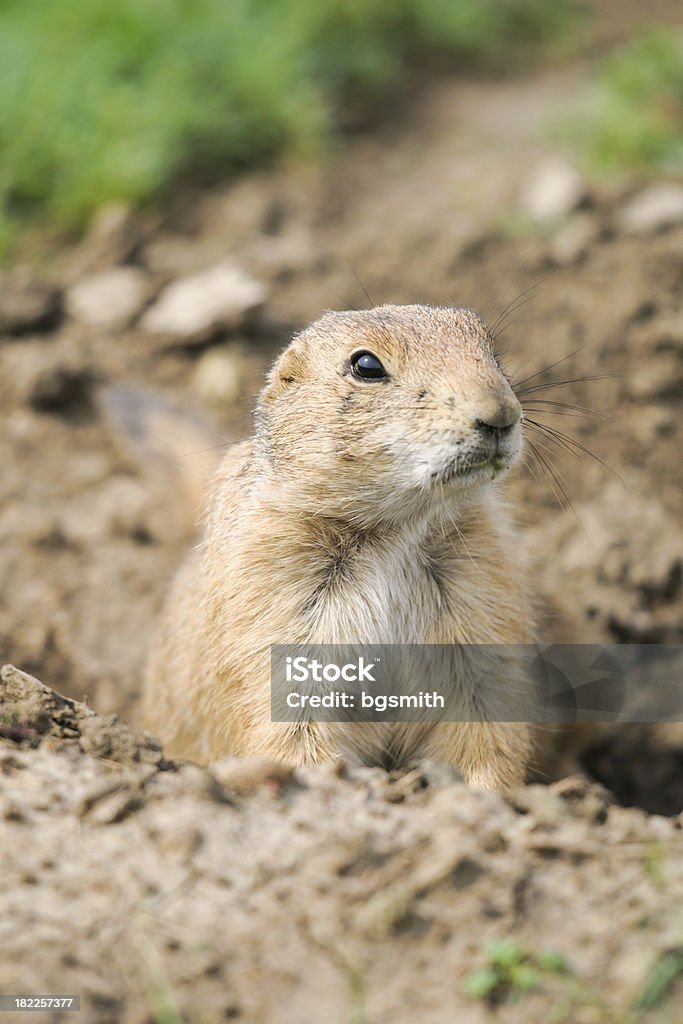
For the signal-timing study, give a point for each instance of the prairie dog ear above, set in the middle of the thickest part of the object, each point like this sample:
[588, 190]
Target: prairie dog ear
[287, 370]
[289, 367]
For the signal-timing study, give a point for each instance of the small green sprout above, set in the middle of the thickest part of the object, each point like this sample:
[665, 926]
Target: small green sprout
[510, 972]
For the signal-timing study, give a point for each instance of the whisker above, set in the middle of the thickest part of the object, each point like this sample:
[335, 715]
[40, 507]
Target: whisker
[564, 408]
[360, 283]
[512, 323]
[546, 464]
[562, 383]
[551, 453]
[561, 444]
[571, 443]
[568, 439]
[340, 298]
[545, 349]
[559, 412]
[203, 451]
[527, 461]
[512, 304]
[527, 255]
[546, 369]
[459, 532]
[502, 325]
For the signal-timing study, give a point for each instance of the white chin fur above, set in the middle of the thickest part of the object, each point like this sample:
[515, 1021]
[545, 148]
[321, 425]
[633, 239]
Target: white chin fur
[462, 473]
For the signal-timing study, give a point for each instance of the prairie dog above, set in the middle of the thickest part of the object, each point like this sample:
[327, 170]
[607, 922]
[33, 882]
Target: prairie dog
[366, 508]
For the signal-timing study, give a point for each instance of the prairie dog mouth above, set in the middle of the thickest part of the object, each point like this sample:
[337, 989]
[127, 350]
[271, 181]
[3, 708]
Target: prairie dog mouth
[460, 469]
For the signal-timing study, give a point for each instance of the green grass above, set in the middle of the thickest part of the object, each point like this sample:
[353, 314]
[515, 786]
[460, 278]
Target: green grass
[105, 100]
[636, 116]
[511, 973]
[665, 973]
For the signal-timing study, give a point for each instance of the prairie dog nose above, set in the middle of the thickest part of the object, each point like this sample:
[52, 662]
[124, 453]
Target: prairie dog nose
[497, 417]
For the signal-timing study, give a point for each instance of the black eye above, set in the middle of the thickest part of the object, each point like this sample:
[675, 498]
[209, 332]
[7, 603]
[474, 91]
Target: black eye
[367, 367]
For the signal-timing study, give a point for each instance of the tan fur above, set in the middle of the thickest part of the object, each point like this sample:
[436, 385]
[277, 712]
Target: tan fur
[342, 521]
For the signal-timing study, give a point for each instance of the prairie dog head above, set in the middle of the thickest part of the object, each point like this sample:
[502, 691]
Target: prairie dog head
[374, 414]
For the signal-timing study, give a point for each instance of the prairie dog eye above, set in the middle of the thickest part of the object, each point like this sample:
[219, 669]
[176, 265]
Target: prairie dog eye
[367, 366]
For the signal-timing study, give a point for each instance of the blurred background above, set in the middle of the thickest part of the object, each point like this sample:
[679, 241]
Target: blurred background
[133, 102]
[183, 185]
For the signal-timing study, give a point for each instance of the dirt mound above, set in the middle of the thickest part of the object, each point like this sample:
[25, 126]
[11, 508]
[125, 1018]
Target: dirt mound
[167, 892]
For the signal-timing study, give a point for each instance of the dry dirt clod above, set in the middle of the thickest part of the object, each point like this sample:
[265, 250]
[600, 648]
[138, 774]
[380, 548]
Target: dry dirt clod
[586, 799]
[244, 775]
[652, 209]
[195, 308]
[661, 378]
[110, 299]
[553, 192]
[220, 374]
[572, 241]
[33, 708]
[62, 388]
[27, 304]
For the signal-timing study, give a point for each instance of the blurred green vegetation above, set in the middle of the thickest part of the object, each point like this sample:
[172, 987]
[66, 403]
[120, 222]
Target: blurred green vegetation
[636, 118]
[103, 100]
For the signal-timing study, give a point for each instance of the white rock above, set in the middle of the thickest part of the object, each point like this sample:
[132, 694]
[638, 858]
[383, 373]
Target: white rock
[109, 299]
[653, 208]
[220, 374]
[553, 192]
[194, 308]
[573, 239]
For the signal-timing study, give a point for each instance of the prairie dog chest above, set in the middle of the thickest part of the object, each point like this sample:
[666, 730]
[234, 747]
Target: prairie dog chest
[380, 592]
